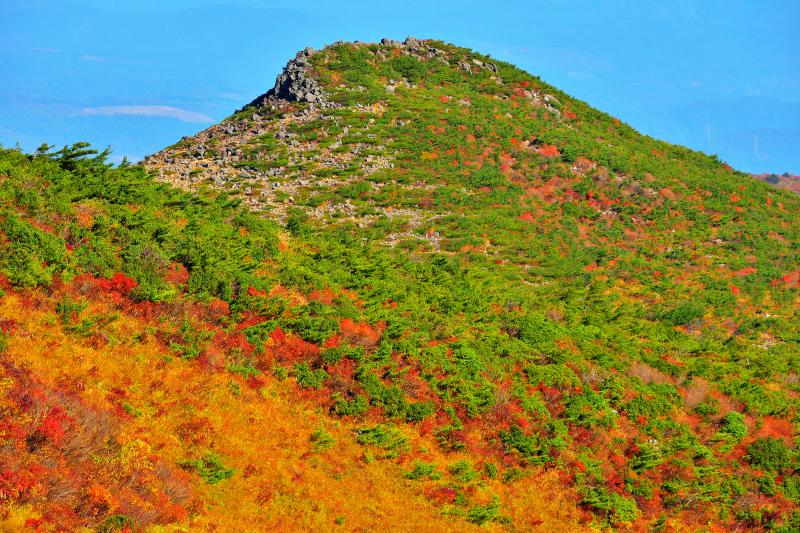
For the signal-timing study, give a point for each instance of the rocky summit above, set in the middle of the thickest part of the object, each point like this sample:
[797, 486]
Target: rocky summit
[410, 287]
[294, 84]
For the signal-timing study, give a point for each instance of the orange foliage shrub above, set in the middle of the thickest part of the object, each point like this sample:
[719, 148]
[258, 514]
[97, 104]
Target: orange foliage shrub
[255, 293]
[177, 274]
[777, 428]
[325, 296]
[217, 309]
[548, 150]
[84, 219]
[360, 333]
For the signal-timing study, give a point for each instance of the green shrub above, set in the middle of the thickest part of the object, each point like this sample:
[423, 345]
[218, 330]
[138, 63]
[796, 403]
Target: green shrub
[588, 409]
[385, 437]
[529, 447]
[31, 256]
[480, 514]
[307, 377]
[409, 67]
[733, 425]
[683, 314]
[321, 440]
[418, 411]
[791, 487]
[331, 356]
[486, 177]
[423, 470]
[210, 468]
[618, 509]
[356, 406]
[116, 522]
[769, 454]
[463, 471]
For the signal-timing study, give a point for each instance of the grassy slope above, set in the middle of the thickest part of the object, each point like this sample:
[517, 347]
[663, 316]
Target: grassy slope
[600, 302]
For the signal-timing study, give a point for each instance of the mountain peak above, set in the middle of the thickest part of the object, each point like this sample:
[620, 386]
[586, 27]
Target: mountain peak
[323, 124]
[297, 84]
[485, 302]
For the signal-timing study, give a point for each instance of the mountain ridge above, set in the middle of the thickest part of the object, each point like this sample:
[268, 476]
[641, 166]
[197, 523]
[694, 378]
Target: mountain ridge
[601, 170]
[501, 307]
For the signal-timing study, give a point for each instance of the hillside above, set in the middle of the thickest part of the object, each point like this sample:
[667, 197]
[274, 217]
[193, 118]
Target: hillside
[408, 287]
[784, 181]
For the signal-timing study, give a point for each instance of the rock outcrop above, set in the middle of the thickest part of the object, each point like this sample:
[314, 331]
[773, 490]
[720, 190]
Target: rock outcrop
[293, 84]
[296, 84]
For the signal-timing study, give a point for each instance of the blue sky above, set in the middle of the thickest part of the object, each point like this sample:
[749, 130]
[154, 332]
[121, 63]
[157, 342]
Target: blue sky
[719, 76]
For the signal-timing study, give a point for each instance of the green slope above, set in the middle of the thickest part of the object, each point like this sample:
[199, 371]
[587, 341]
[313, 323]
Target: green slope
[533, 282]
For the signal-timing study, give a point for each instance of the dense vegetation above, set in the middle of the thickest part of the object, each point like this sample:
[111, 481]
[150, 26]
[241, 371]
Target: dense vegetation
[599, 312]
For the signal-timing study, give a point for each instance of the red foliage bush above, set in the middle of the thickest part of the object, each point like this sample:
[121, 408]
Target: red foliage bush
[8, 326]
[230, 341]
[332, 342]
[291, 348]
[343, 370]
[651, 505]
[15, 485]
[441, 495]
[615, 482]
[792, 279]
[777, 428]
[73, 486]
[54, 425]
[121, 283]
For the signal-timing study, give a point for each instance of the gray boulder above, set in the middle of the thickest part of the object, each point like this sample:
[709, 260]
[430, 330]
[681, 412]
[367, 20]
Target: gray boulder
[294, 84]
[391, 42]
[411, 42]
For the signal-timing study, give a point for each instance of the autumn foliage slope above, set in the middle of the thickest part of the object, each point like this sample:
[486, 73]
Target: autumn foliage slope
[487, 305]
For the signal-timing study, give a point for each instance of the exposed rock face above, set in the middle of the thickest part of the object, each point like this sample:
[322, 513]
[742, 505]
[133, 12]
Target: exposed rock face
[293, 84]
